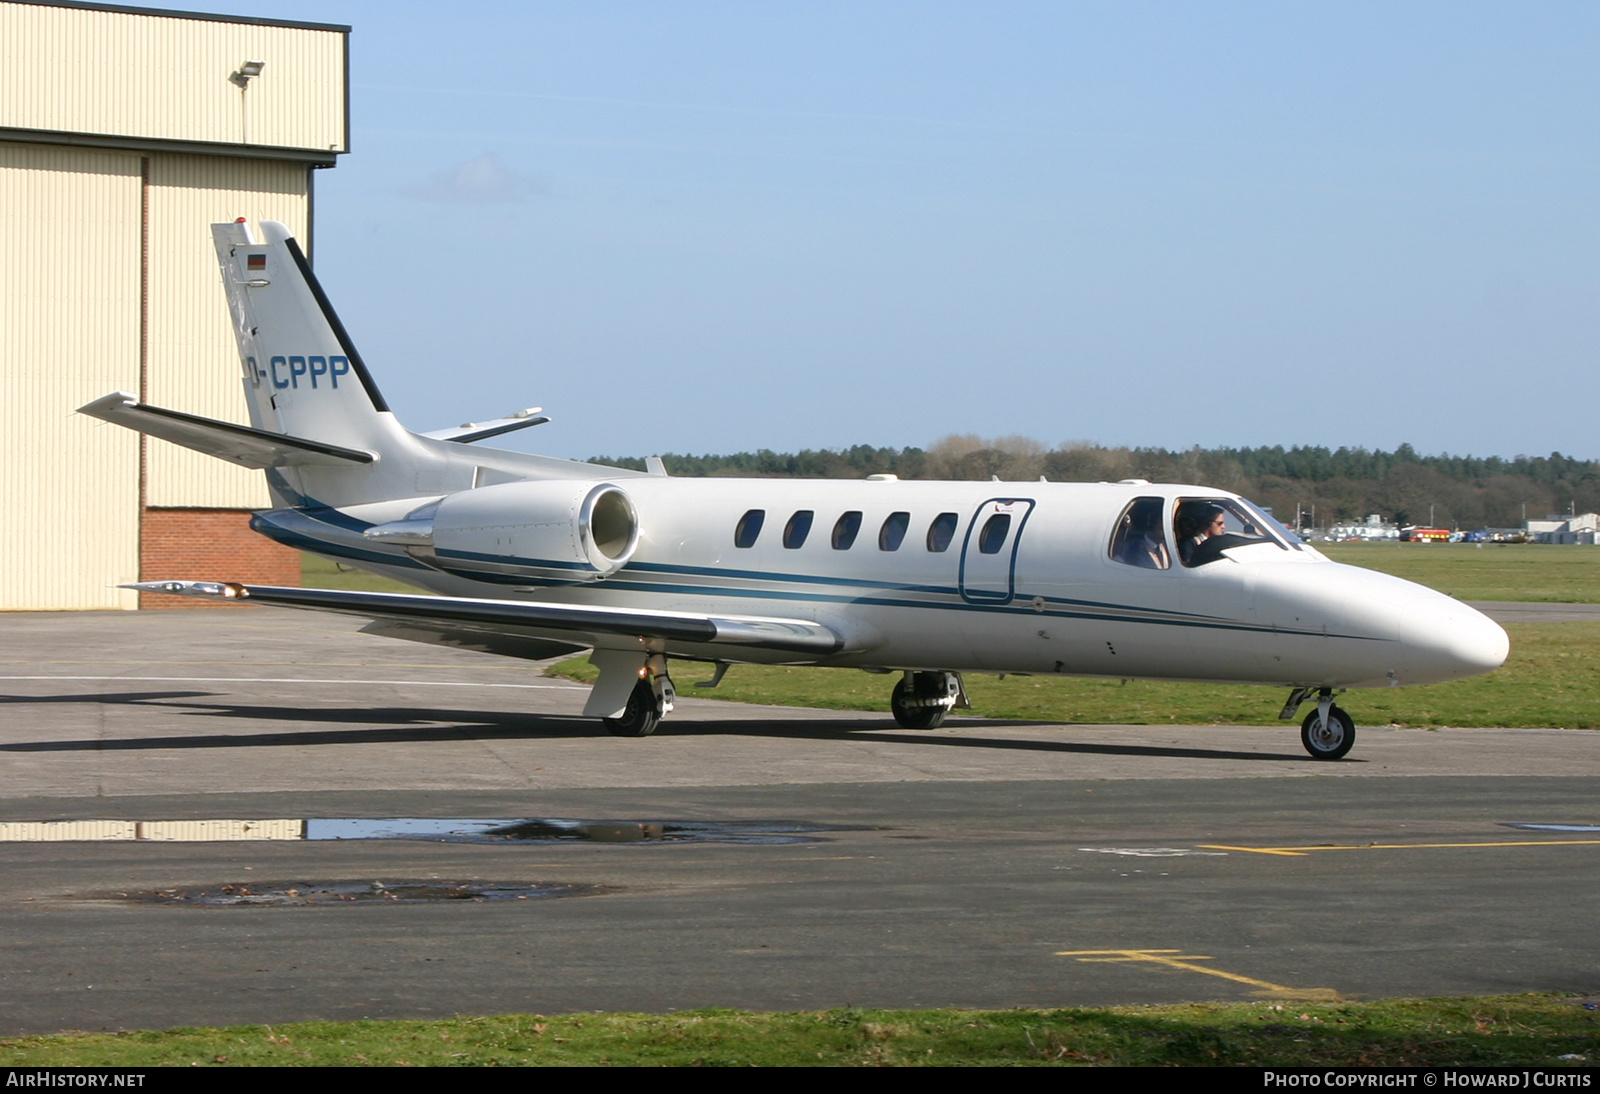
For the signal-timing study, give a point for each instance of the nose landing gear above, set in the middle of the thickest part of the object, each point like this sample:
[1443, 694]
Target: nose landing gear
[1327, 736]
[1328, 733]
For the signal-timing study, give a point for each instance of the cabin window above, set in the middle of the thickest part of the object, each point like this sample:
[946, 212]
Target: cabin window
[798, 528]
[993, 536]
[893, 532]
[941, 532]
[749, 528]
[845, 530]
[1139, 539]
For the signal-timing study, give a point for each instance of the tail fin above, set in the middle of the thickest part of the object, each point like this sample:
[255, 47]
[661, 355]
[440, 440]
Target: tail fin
[303, 376]
[318, 424]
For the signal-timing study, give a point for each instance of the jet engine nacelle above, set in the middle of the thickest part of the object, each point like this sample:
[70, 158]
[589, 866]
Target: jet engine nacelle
[556, 532]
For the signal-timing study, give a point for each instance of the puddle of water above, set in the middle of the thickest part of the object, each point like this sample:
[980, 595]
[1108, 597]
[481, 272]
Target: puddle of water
[304, 894]
[551, 830]
[438, 829]
[1554, 827]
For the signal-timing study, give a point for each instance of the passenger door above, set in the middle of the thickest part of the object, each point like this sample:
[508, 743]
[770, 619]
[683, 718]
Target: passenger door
[989, 553]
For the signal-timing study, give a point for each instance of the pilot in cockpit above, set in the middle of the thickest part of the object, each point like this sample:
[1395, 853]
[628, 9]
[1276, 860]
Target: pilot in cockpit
[1203, 533]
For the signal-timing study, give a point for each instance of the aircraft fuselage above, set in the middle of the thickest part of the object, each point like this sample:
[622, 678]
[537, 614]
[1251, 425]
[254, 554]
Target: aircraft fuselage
[1045, 597]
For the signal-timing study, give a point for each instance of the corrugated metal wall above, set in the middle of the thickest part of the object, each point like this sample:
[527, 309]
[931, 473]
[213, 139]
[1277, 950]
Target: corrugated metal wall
[69, 333]
[193, 360]
[73, 220]
[176, 831]
[164, 78]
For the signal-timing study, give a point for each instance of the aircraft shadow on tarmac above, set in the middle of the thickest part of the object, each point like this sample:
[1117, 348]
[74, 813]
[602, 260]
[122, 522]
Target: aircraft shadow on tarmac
[105, 697]
[390, 725]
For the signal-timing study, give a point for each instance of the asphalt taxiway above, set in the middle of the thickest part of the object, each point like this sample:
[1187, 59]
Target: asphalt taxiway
[830, 858]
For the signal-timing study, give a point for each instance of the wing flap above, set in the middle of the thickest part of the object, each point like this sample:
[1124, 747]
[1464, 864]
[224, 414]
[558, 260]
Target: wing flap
[241, 444]
[529, 619]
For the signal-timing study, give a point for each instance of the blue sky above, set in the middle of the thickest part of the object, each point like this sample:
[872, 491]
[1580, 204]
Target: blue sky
[711, 227]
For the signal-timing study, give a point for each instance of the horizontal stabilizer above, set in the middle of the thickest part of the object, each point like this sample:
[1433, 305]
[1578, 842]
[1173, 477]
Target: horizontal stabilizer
[240, 444]
[518, 618]
[480, 431]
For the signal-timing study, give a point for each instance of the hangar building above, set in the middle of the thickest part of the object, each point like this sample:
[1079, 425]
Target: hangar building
[124, 133]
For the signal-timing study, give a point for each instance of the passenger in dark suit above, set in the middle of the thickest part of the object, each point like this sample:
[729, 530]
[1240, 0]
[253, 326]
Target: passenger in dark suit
[1140, 540]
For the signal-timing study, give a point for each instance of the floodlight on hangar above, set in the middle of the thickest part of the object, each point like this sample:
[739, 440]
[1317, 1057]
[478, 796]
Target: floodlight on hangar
[247, 71]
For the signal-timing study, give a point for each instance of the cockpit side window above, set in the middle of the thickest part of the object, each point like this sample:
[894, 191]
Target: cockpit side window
[1139, 539]
[1206, 527]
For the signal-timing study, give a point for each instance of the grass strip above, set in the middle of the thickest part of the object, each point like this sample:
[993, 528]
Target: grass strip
[1551, 679]
[1501, 1030]
[317, 572]
[1565, 573]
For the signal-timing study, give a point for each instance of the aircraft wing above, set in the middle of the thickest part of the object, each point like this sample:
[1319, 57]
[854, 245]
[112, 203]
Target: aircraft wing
[525, 628]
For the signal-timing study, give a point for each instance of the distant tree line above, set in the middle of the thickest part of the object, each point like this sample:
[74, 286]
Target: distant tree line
[1335, 484]
[848, 463]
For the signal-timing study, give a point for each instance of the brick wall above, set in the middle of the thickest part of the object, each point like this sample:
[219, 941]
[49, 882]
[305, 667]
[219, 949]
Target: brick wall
[209, 545]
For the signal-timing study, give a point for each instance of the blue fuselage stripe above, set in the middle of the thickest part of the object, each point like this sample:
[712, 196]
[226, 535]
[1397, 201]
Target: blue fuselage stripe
[1018, 609]
[639, 577]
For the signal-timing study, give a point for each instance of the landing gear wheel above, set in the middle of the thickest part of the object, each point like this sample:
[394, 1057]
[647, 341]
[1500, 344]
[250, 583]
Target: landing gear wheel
[1331, 741]
[915, 711]
[640, 716]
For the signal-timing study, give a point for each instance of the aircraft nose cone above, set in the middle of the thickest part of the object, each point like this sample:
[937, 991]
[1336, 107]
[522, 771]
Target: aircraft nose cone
[1446, 640]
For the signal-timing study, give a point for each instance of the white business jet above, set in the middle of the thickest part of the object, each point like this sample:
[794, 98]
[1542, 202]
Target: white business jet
[536, 556]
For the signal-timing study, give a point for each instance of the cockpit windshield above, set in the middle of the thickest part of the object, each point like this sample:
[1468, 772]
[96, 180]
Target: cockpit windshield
[1206, 527]
[1274, 525]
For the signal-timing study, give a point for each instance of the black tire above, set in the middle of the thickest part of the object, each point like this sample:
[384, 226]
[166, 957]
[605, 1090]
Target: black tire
[640, 717]
[1331, 743]
[911, 716]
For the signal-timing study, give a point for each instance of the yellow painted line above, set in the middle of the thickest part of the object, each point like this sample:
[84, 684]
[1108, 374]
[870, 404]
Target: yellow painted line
[1297, 851]
[1176, 959]
[1255, 850]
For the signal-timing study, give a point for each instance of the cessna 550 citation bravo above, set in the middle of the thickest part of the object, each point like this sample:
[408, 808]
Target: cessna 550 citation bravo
[537, 556]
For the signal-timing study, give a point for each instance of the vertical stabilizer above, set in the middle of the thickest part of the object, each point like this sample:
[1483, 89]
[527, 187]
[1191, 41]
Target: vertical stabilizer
[303, 375]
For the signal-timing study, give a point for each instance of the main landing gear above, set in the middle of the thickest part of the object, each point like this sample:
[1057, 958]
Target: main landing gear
[1327, 732]
[650, 700]
[640, 717]
[922, 699]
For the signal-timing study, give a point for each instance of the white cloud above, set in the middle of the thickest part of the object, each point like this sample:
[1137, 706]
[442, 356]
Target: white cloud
[482, 179]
